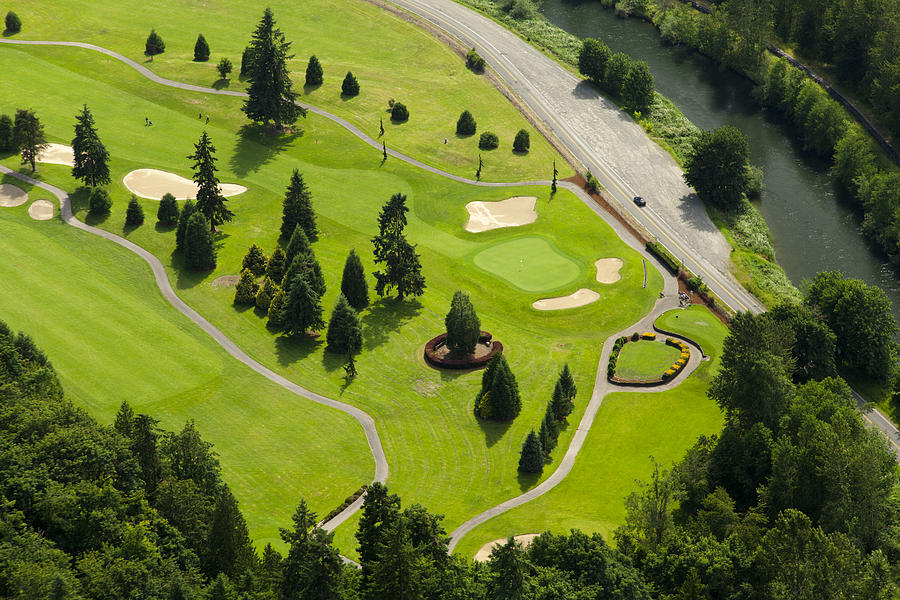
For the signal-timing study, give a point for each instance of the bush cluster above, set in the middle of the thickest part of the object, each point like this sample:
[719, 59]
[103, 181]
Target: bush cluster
[350, 500]
[474, 61]
[683, 359]
[618, 75]
[657, 250]
[614, 355]
[488, 141]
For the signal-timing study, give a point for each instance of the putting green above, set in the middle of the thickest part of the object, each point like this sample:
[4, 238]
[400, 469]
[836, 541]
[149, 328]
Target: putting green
[530, 263]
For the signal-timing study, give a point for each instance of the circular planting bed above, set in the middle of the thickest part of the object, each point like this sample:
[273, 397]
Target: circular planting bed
[644, 361]
[438, 355]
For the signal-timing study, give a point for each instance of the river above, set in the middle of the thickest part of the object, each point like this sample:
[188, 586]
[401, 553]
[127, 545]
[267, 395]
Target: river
[813, 230]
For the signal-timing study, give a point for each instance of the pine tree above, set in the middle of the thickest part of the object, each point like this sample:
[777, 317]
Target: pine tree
[553, 183]
[567, 382]
[221, 589]
[522, 143]
[399, 571]
[307, 267]
[270, 93]
[379, 511]
[167, 213]
[228, 547]
[302, 309]
[531, 460]
[297, 245]
[276, 265]
[275, 314]
[353, 282]
[154, 44]
[201, 49]
[313, 71]
[99, 202]
[270, 572]
[350, 85]
[344, 330]
[545, 435]
[265, 294]
[134, 214]
[145, 448]
[91, 157]
[199, 246]
[186, 211]
[553, 426]
[498, 398]
[463, 325]
[466, 124]
[402, 269]
[255, 260]
[246, 62]
[210, 201]
[28, 137]
[6, 134]
[245, 290]
[297, 209]
[124, 422]
[312, 569]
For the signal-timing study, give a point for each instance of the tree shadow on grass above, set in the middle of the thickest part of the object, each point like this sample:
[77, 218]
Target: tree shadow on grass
[293, 348]
[384, 316]
[332, 361]
[94, 219]
[164, 227]
[527, 480]
[308, 89]
[220, 84]
[493, 430]
[258, 145]
[80, 199]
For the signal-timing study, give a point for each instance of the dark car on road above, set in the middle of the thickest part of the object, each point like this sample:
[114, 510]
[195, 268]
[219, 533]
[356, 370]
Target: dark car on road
[640, 201]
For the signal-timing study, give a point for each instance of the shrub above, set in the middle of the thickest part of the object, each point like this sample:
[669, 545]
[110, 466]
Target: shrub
[663, 255]
[245, 291]
[134, 214]
[474, 61]
[522, 143]
[265, 294]
[224, 68]
[275, 266]
[488, 141]
[314, 75]
[13, 23]
[635, 336]
[399, 112]
[593, 186]
[350, 86]
[100, 202]
[592, 59]
[154, 45]
[167, 213]
[694, 283]
[520, 10]
[466, 124]
[255, 260]
[201, 49]
[648, 335]
[186, 211]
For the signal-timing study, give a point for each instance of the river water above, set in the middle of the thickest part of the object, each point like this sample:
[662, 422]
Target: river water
[812, 228]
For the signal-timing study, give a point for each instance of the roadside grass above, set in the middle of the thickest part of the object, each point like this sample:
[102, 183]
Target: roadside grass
[629, 428]
[645, 360]
[439, 454]
[390, 57]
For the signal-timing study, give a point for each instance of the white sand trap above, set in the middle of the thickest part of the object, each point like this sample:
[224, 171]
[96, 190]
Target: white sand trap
[153, 184]
[608, 269]
[57, 154]
[512, 212]
[12, 195]
[484, 553]
[41, 210]
[580, 298]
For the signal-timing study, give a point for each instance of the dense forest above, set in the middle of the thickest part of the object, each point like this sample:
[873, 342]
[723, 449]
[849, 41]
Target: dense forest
[795, 499]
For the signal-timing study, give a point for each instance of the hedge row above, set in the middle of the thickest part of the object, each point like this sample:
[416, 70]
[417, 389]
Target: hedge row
[614, 356]
[350, 500]
[657, 250]
[679, 364]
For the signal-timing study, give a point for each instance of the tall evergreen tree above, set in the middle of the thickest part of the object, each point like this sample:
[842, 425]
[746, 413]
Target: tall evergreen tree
[210, 201]
[6, 134]
[306, 266]
[134, 214]
[91, 156]
[28, 137]
[463, 325]
[498, 398]
[145, 447]
[275, 314]
[255, 260]
[353, 282]
[167, 213]
[154, 44]
[297, 209]
[344, 331]
[270, 95]
[560, 404]
[275, 266]
[99, 201]
[228, 550]
[313, 71]
[509, 570]
[199, 246]
[201, 49]
[399, 571]
[380, 510]
[298, 245]
[124, 422]
[313, 569]
[303, 308]
[270, 572]
[567, 382]
[402, 269]
[545, 435]
[265, 294]
[350, 85]
[186, 211]
[531, 459]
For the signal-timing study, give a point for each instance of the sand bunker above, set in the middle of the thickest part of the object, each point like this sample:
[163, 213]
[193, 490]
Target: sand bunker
[580, 298]
[484, 553]
[512, 212]
[153, 184]
[608, 270]
[57, 154]
[11, 195]
[41, 210]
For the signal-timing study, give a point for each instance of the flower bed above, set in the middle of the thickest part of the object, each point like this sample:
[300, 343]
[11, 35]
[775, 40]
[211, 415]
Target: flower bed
[669, 373]
[436, 353]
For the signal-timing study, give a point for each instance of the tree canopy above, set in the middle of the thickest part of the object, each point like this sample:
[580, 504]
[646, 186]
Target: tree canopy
[717, 166]
[401, 267]
[210, 201]
[90, 155]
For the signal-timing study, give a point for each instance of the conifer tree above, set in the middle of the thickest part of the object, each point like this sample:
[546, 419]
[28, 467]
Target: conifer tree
[344, 330]
[463, 325]
[379, 511]
[350, 85]
[154, 44]
[531, 459]
[353, 282]
[498, 398]
[275, 265]
[134, 214]
[228, 547]
[265, 294]
[270, 94]
[312, 569]
[210, 201]
[6, 134]
[99, 202]
[255, 260]
[306, 266]
[124, 422]
[199, 246]
[246, 288]
[302, 309]
[167, 213]
[313, 71]
[402, 269]
[201, 49]
[466, 125]
[275, 314]
[270, 572]
[145, 448]
[399, 571]
[559, 403]
[28, 137]
[297, 245]
[186, 211]
[522, 142]
[221, 588]
[548, 433]
[567, 382]
[246, 62]
[90, 155]
[297, 209]
[13, 23]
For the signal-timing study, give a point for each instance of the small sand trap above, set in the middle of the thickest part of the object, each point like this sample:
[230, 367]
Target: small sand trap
[580, 298]
[484, 553]
[512, 212]
[608, 270]
[41, 210]
[57, 154]
[12, 195]
[153, 184]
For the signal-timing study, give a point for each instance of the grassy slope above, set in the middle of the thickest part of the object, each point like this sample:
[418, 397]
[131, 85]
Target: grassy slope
[81, 297]
[391, 59]
[440, 456]
[629, 428]
[645, 359]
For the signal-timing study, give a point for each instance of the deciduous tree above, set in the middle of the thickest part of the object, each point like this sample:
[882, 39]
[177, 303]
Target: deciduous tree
[717, 166]
[592, 60]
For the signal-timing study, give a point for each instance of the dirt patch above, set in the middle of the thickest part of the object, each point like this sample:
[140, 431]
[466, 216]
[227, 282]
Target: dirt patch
[57, 154]
[41, 210]
[153, 184]
[12, 195]
[484, 553]
[608, 269]
[512, 212]
[582, 297]
[426, 388]
[226, 281]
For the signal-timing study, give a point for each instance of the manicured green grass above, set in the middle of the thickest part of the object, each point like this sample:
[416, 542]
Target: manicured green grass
[529, 263]
[629, 428]
[645, 359]
[390, 57]
[93, 307]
